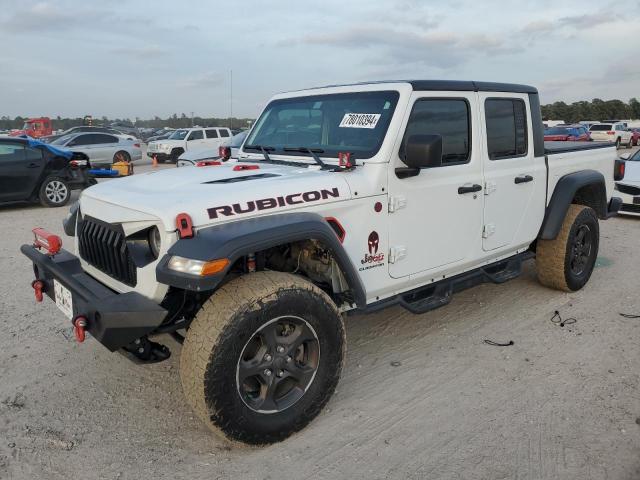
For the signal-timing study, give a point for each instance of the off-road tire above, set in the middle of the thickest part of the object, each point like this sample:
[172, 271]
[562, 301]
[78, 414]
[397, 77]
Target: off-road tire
[50, 199]
[553, 257]
[221, 330]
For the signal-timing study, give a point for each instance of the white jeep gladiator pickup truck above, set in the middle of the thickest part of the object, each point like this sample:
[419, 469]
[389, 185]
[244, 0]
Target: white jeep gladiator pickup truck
[344, 198]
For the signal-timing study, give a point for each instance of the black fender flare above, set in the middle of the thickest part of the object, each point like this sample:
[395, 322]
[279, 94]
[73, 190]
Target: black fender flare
[236, 239]
[562, 196]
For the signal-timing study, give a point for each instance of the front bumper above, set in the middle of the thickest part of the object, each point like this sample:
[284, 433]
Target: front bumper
[159, 155]
[114, 319]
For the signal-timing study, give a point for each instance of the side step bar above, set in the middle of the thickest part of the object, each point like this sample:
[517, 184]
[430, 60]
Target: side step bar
[438, 294]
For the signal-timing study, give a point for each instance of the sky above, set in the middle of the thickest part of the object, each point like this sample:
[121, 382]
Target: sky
[128, 58]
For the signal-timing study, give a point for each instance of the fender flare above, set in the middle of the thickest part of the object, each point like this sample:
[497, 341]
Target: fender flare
[564, 193]
[236, 239]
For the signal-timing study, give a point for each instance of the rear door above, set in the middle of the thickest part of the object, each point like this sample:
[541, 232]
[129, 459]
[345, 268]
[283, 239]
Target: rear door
[212, 139]
[514, 180]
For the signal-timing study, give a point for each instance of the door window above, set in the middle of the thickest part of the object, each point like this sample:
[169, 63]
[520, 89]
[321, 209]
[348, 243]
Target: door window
[211, 133]
[32, 154]
[195, 135]
[506, 120]
[100, 138]
[10, 152]
[446, 117]
[224, 132]
[81, 140]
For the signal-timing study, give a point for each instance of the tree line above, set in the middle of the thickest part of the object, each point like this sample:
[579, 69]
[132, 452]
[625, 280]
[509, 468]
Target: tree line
[596, 109]
[174, 121]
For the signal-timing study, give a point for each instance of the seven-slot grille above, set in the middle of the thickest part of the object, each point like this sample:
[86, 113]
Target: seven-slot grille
[104, 246]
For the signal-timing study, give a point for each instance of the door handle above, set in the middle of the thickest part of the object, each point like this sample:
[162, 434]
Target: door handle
[523, 179]
[33, 165]
[469, 189]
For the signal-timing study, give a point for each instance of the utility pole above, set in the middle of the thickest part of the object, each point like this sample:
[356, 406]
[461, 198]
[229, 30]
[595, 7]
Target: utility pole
[192, 119]
[231, 100]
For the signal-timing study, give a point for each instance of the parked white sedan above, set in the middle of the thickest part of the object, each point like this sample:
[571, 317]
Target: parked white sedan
[103, 149]
[629, 187]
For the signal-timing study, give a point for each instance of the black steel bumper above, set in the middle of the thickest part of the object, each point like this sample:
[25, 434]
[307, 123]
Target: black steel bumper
[114, 319]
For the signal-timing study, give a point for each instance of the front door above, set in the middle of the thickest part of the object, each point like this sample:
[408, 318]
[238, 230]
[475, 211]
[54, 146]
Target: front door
[20, 170]
[515, 180]
[436, 221]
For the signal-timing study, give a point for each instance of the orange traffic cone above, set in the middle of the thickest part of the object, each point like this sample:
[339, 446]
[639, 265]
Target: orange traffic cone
[154, 162]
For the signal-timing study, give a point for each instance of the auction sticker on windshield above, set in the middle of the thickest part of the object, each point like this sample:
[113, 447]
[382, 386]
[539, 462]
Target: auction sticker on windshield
[360, 120]
[64, 301]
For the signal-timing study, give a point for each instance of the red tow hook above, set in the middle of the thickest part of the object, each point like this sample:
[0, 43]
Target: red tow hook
[79, 326]
[38, 287]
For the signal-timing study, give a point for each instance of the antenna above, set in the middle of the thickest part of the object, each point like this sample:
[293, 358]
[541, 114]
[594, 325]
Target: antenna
[231, 100]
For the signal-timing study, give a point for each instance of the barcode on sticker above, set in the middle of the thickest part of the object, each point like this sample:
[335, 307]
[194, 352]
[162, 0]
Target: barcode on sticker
[360, 120]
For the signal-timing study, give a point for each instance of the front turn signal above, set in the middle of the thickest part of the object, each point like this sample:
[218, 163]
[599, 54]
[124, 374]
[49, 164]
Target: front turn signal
[214, 266]
[197, 267]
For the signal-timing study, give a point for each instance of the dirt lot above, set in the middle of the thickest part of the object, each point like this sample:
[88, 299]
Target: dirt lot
[421, 396]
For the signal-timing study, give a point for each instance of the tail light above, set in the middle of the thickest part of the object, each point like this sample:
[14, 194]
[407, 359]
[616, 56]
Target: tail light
[207, 163]
[618, 170]
[611, 133]
[43, 239]
[224, 152]
[78, 163]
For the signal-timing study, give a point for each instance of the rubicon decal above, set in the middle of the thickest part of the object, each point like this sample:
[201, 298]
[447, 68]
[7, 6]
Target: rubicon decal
[272, 202]
[373, 258]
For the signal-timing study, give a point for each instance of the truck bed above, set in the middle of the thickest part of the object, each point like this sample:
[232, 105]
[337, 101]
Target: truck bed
[551, 148]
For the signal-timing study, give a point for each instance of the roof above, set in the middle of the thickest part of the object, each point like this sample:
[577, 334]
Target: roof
[452, 85]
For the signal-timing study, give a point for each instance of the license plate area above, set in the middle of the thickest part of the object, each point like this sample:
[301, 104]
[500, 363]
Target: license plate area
[64, 299]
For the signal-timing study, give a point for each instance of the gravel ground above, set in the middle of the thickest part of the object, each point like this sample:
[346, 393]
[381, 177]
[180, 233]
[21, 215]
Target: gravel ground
[421, 396]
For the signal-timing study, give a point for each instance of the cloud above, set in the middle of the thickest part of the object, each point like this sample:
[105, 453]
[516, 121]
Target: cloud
[204, 80]
[140, 52]
[587, 20]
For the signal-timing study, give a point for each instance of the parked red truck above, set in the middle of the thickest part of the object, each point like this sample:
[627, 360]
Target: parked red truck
[35, 128]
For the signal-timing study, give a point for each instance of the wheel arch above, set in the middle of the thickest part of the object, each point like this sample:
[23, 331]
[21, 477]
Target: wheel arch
[238, 239]
[586, 187]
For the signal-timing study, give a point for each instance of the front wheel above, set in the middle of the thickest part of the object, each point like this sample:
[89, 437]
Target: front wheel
[262, 357]
[54, 192]
[617, 143]
[567, 261]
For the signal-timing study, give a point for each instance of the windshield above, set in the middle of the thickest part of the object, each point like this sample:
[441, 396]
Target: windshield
[26, 126]
[178, 135]
[61, 140]
[600, 128]
[329, 124]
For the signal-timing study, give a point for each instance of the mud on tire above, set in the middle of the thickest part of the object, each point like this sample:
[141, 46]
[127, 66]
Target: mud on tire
[566, 262]
[243, 326]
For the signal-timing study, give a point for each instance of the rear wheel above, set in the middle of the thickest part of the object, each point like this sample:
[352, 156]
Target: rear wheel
[262, 357]
[567, 261]
[618, 142]
[122, 156]
[54, 192]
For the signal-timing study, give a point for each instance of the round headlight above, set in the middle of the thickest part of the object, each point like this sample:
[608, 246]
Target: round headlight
[154, 241]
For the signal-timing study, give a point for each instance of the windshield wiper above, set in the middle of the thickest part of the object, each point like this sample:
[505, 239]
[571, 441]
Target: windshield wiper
[262, 148]
[310, 151]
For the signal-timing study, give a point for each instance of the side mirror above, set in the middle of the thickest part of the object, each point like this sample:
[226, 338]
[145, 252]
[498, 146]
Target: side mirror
[625, 156]
[423, 151]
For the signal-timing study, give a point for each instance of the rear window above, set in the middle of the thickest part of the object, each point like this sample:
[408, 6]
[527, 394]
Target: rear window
[506, 128]
[600, 128]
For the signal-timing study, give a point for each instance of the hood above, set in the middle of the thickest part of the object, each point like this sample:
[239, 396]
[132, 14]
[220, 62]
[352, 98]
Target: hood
[216, 194]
